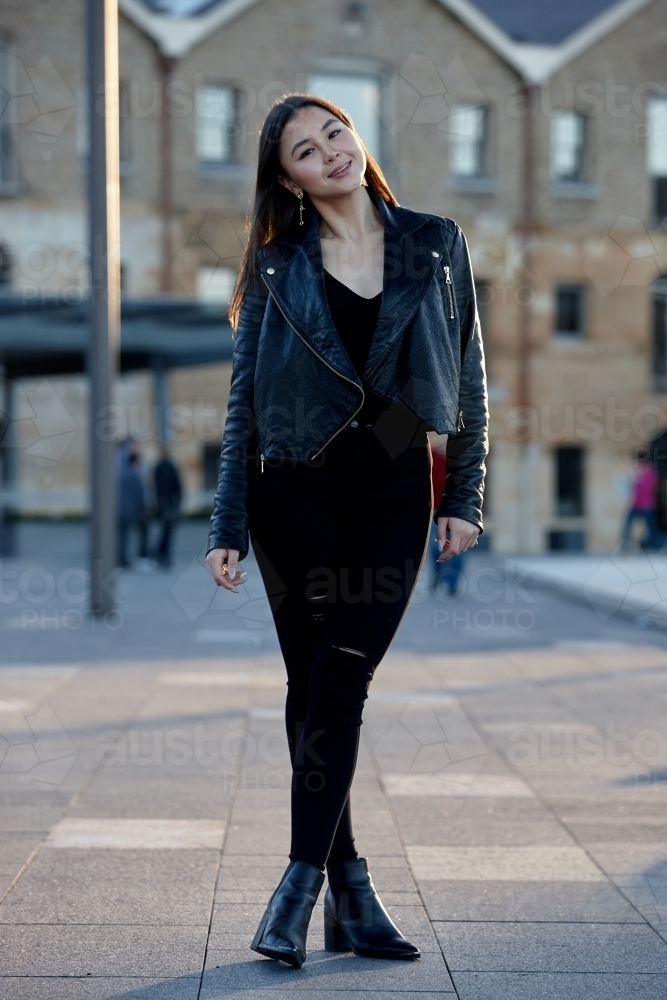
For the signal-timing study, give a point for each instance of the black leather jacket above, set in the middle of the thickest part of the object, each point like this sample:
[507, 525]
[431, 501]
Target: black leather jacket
[293, 386]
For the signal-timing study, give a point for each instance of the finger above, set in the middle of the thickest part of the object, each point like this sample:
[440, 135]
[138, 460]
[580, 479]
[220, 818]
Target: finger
[232, 565]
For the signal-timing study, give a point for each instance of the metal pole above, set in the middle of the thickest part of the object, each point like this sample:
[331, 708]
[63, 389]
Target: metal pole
[167, 64]
[104, 208]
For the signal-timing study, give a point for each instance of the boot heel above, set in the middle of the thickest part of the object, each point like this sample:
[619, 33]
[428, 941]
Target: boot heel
[334, 938]
[260, 931]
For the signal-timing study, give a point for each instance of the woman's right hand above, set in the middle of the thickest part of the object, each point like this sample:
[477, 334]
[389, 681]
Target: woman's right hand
[229, 578]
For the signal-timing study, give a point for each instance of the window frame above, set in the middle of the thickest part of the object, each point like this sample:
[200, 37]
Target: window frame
[657, 172]
[571, 335]
[8, 133]
[583, 176]
[208, 163]
[484, 145]
[580, 497]
[659, 338]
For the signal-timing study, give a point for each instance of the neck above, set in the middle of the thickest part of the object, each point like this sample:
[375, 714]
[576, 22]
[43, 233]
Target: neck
[350, 217]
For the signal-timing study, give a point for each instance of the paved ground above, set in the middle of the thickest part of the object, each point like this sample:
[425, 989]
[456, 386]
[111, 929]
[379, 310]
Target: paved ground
[632, 586]
[510, 792]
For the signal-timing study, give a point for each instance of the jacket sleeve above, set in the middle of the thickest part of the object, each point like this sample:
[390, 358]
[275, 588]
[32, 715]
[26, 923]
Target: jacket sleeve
[468, 448]
[229, 521]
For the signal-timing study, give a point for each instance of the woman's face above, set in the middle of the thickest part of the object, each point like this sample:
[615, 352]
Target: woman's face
[320, 155]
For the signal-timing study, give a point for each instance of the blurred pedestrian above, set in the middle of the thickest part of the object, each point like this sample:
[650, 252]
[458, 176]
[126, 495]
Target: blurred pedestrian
[168, 497]
[129, 447]
[643, 505]
[449, 572]
[131, 507]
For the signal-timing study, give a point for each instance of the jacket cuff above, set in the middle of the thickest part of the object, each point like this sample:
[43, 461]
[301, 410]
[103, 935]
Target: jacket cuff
[449, 508]
[217, 541]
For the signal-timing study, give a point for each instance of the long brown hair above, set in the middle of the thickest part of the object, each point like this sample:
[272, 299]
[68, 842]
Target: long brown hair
[275, 208]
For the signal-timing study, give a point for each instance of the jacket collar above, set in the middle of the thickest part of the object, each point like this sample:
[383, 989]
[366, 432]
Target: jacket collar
[297, 284]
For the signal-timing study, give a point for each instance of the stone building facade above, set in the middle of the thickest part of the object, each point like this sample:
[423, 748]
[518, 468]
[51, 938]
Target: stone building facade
[549, 154]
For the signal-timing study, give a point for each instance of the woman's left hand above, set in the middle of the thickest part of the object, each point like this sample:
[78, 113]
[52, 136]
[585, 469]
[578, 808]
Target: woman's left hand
[462, 536]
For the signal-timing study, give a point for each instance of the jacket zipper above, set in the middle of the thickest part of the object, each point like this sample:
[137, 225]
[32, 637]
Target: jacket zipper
[363, 395]
[448, 282]
[460, 426]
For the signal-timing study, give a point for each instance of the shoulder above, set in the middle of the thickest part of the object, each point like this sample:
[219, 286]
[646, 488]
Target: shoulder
[440, 227]
[427, 219]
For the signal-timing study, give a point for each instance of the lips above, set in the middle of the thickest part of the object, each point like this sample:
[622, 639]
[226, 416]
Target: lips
[341, 170]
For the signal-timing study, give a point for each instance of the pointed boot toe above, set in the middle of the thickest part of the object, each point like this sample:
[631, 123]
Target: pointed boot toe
[283, 929]
[355, 919]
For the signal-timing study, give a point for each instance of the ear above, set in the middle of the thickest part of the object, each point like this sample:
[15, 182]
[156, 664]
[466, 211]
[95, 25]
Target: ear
[290, 185]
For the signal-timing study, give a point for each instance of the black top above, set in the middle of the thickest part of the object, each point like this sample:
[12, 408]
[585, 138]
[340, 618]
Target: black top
[354, 317]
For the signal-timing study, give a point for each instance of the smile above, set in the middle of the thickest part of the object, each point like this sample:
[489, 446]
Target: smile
[341, 170]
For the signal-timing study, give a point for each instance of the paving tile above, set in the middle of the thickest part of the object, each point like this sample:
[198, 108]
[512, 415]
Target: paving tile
[527, 901]
[558, 986]
[557, 947]
[29, 816]
[113, 887]
[136, 834]
[98, 988]
[229, 970]
[457, 786]
[211, 990]
[530, 863]
[99, 950]
[15, 849]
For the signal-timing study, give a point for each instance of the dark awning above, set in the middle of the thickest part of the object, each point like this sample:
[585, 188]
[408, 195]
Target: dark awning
[50, 337]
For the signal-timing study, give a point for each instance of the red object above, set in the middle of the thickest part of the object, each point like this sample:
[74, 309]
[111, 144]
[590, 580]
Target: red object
[645, 489]
[438, 474]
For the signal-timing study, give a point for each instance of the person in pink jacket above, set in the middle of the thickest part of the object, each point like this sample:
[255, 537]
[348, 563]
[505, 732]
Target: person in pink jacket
[644, 503]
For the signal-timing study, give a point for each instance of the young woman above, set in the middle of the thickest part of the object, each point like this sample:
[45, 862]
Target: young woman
[356, 334]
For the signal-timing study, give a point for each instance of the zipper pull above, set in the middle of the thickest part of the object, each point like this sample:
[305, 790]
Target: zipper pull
[448, 282]
[261, 458]
[460, 426]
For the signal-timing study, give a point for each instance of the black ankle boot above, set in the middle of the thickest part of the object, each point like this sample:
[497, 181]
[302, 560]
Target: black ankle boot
[355, 919]
[283, 929]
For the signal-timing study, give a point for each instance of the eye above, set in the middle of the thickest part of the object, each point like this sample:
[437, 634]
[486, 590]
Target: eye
[335, 132]
[306, 151]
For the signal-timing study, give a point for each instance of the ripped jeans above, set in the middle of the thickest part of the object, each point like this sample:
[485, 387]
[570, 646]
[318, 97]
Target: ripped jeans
[339, 544]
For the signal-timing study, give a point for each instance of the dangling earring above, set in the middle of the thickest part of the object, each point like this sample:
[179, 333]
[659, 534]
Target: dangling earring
[300, 197]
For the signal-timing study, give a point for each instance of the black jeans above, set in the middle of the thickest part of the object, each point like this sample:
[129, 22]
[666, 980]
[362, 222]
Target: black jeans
[339, 544]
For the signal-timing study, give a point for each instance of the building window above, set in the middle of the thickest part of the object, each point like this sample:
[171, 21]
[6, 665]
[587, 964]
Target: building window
[569, 482]
[660, 334]
[467, 128]
[7, 112]
[569, 310]
[568, 146]
[215, 283]
[572, 541]
[217, 124]
[359, 97]
[656, 155]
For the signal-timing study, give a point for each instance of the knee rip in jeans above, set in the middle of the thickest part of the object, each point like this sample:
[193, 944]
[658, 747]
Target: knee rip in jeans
[318, 616]
[353, 652]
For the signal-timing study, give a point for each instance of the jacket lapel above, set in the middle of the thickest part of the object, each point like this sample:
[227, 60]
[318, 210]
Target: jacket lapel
[409, 265]
[297, 285]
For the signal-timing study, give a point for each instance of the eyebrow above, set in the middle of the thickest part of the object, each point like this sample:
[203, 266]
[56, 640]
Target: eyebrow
[303, 141]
